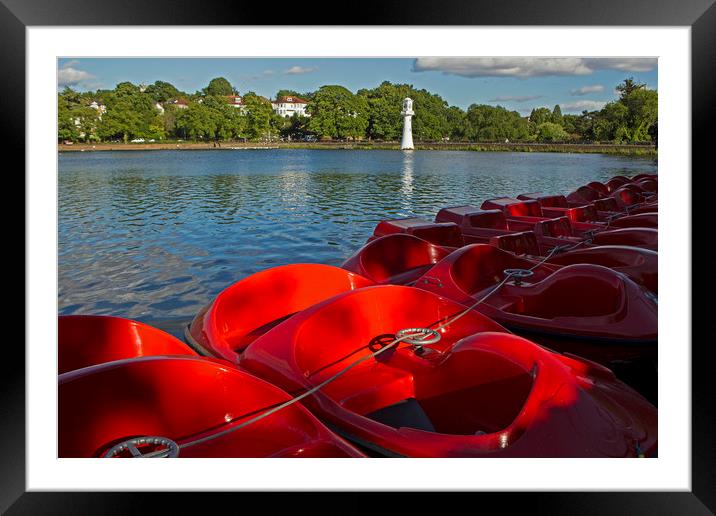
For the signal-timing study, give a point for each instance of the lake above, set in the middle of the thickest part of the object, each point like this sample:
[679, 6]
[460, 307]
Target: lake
[155, 235]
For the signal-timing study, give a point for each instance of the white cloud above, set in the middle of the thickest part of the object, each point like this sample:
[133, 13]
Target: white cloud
[515, 98]
[71, 63]
[581, 105]
[300, 70]
[68, 76]
[586, 90]
[625, 64]
[528, 66]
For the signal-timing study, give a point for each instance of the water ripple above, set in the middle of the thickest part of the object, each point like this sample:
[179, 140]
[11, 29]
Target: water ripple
[155, 235]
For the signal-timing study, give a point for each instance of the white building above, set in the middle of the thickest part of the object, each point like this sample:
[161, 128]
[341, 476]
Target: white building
[178, 103]
[288, 105]
[99, 107]
[237, 101]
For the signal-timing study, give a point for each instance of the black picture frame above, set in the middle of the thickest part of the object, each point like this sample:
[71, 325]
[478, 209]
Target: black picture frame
[16, 15]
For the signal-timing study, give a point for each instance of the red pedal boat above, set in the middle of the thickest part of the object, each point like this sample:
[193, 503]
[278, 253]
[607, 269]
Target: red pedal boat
[558, 206]
[156, 406]
[585, 309]
[477, 392]
[86, 340]
[479, 226]
[523, 215]
[397, 259]
[250, 307]
[640, 265]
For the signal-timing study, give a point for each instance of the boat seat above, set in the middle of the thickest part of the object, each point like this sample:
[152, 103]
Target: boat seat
[438, 233]
[514, 207]
[404, 414]
[521, 243]
[546, 201]
[606, 204]
[557, 227]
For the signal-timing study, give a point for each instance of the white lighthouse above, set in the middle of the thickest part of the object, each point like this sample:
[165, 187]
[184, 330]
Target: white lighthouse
[407, 143]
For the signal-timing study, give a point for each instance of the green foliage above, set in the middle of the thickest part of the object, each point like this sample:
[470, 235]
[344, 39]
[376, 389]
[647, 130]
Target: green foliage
[433, 119]
[294, 93]
[495, 123]
[212, 119]
[261, 122]
[628, 86]
[338, 113]
[76, 121]
[218, 87]
[162, 91]
[294, 127]
[551, 132]
[130, 114]
[557, 117]
[540, 115]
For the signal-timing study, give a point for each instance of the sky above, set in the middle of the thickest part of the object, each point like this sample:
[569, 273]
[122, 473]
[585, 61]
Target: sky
[517, 83]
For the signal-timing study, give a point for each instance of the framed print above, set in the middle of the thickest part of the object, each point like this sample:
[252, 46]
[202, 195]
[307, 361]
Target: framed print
[300, 200]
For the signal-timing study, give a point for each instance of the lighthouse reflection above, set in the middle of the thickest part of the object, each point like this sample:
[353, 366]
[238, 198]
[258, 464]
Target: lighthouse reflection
[406, 186]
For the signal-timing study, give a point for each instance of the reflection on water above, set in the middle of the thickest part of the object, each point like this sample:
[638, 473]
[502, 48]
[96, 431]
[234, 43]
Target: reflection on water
[155, 235]
[406, 197]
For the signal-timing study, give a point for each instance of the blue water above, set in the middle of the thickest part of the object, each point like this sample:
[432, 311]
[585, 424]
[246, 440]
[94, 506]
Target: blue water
[155, 235]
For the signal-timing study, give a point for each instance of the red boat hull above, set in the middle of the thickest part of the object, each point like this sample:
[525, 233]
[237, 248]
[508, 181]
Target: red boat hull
[250, 307]
[588, 309]
[396, 259]
[87, 340]
[640, 265]
[479, 392]
[183, 399]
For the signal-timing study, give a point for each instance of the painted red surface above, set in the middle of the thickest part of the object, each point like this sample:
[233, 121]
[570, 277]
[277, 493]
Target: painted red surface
[183, 399]
[479, 392]
[576, 304]
[250, 307]
[445, 234]
[86, 340]
[481, 225]
[397, 258]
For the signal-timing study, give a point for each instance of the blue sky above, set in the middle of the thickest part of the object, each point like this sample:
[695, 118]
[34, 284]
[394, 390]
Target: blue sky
[516, 83]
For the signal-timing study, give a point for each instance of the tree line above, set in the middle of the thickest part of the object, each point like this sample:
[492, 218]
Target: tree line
[160, 111]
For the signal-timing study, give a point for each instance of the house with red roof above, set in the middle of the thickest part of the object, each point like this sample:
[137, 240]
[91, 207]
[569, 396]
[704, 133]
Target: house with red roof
[288, 105]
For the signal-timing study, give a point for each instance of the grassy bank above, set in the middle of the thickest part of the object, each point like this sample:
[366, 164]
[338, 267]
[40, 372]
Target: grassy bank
[624, 150]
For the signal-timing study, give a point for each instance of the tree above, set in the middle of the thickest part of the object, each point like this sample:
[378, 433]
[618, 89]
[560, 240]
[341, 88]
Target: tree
[610, 124]
[642, 107]
[66, 127]
[293, 93]
[337, 113]
[629, 86]
[162, 91]
[219, 86]
[295, 127]
[539, 116]
[130, 114]
[433, 118]
[551, 132]
[495, 123]
[259, 116]
[557, 115]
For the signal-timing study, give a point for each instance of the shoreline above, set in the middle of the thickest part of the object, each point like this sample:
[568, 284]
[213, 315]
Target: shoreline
[616, 149]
